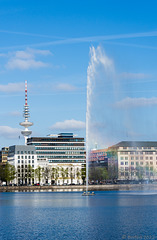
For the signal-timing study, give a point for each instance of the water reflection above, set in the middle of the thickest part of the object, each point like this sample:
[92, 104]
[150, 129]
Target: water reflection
[107, 215]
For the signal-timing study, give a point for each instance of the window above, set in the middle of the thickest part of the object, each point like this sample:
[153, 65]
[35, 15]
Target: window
[126, 163]
[18, 161]
[141, 163]
[28, 152]
[137, 163]
[136, 158]
[126, 158]
[25, 157]
[141, 158]
[22, 157]
[29, 161]
[132, 158]
[32, 166]
[122, 163]
[151, 163]
[29, 157]
[32, 152]
[32, 157]
[18, 152]
[32, 161]
[132, 163]
[151, 158]
[146, 158]
[21, 152]
[18, 157]
[121, 158]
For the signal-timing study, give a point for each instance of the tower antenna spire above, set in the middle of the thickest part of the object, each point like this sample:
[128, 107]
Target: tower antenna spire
[26, 132]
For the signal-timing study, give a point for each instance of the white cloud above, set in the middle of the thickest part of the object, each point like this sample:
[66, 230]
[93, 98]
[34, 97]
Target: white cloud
[15, 113]
[136, 102]
[3, 55]
[12, 87]
[26, 59]
[68, 125]
[127, 75]
[65, 87]
[24, 64]
[8, 132]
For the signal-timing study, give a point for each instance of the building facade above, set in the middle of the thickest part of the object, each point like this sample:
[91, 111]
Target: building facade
[136, 160]
[105, 158]
[4, 155]
[24, 159]
[65, 154]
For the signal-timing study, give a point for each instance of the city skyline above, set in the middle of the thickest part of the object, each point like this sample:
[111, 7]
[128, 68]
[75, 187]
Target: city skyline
[49, 47]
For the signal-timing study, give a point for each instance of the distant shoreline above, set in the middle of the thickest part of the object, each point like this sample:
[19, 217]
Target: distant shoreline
[80, 188]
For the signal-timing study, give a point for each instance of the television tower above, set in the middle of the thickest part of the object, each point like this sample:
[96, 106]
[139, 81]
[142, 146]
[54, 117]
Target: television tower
[26, 115]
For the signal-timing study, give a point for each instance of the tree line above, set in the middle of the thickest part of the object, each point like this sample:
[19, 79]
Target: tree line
[99, 174]
[8, 173]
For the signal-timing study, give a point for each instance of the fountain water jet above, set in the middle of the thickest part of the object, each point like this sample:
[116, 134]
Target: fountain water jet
[98, 62]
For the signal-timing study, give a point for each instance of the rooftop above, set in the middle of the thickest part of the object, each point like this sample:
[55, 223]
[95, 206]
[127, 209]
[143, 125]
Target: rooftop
[135, 144]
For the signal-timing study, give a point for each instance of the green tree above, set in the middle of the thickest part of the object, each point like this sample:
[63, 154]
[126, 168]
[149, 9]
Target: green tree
[54, 174]
[64, 173]
[30, 173]
[9, 173]
[2, 173]
[105, 175]
[71, 173]
[46, 173]
[140, 172]
[78, 173]
[38, 173]
[83, 173]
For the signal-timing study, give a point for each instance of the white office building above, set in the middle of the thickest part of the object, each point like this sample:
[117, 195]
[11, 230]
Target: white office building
[24, 159]
[136, 160]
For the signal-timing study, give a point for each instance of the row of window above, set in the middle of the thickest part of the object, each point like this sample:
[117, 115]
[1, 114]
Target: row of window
[25, 152]
[67, 161]
[22, 161]
[139, 147]
[22, 170]
[132, 169]
[62, 157]
[25, 157]
[137, 153]
[60, 148]
[58, 144]
[56, 140]
[24, 166]
[126, 174]
[59, 153]
[138, 158]
[137, 163]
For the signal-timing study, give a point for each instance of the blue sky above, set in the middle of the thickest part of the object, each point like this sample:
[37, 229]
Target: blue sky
[48, 43]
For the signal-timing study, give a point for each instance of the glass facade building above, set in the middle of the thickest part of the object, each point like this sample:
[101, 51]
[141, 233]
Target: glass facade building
[61, 148]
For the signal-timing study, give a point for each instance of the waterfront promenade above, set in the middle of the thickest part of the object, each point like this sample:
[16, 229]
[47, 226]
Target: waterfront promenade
[73, 188]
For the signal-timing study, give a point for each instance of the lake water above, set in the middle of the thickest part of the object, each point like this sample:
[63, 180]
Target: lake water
[107, 215]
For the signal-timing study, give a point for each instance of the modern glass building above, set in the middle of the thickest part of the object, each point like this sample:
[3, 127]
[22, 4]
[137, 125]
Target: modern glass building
[61, 148]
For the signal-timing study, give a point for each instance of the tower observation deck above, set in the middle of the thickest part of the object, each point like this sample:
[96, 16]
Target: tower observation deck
[26, 132]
